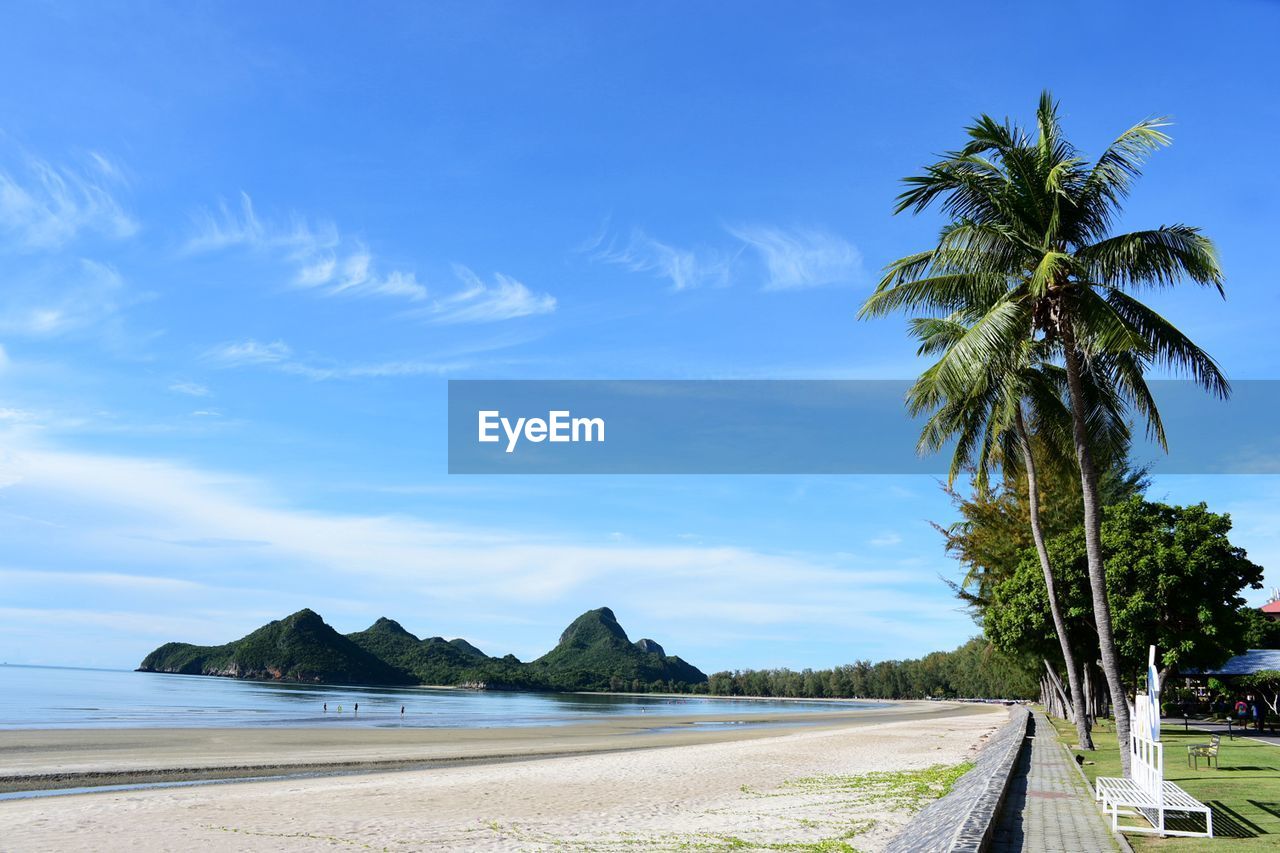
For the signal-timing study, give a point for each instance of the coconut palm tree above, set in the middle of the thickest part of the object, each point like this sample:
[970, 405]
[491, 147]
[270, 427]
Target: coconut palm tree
[1030, 239]
[986, 407]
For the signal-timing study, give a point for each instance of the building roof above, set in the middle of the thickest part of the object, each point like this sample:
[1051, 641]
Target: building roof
[1271, 607]
[1254, 660]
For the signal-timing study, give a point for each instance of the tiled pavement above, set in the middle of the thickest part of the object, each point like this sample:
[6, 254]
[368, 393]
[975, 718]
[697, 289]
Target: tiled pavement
[1048, 807]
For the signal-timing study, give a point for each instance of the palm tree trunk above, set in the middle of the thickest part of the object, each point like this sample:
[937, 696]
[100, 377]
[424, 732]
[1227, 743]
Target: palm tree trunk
[1078, 709]
[1093, 546]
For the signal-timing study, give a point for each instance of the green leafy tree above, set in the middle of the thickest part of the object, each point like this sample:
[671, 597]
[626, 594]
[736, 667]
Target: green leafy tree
[1029, 245]
[1263, 632]
[993, 533]
[1266, 683]
[1173, 577]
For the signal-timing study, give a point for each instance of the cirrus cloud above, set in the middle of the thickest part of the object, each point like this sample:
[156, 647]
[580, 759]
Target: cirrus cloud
[780, 258]
[240, 353]
[322, 259]
[479, 302]
[325, 261]
[802, 257]
[45, 206]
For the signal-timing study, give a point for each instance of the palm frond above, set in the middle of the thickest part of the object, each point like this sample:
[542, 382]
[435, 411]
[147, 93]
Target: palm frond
[1168, 346]
[939, 294]
[1156, 257]
[1116, 169]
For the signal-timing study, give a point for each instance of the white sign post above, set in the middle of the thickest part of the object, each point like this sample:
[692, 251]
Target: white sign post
[1146, 753]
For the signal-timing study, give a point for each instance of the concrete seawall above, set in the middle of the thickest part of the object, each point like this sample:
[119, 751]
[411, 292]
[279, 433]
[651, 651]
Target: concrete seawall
[964, 820]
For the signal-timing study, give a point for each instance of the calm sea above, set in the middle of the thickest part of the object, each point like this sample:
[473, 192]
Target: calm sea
[57, 697]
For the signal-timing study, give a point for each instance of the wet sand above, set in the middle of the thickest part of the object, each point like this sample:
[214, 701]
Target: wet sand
[37, 759]
[602, 785]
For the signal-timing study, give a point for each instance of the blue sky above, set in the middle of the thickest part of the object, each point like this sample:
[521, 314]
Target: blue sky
[243, 250]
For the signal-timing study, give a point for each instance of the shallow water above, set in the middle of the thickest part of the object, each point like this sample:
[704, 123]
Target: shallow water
[54, 697]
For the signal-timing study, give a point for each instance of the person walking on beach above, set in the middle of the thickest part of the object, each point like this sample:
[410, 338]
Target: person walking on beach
[356, 709]
[401, 710]
[326, 707]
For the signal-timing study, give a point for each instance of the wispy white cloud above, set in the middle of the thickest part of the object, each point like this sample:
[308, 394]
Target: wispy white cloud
[191, 389]
[241, 353]
[788, 258]
[802, 257]
[321, 257]
[87, 295]
[480, 302]
[116, 580]
[278, 355]
[228, 227]
[45, 205]
[217, 542]
[355, 275]
[685, 268]
[156, 625]
[52, 216]
[374, 370]
[325, 261]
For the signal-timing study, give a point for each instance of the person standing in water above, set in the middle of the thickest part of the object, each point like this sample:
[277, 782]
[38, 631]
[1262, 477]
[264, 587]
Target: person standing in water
[326, 707]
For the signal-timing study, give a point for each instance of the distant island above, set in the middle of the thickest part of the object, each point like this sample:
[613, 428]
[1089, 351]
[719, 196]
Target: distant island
[594, 653]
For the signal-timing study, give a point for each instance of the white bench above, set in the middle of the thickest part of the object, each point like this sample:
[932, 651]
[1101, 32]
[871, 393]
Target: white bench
[1148, 794]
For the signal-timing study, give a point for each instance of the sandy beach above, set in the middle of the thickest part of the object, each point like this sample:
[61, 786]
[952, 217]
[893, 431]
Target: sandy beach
[623, 784]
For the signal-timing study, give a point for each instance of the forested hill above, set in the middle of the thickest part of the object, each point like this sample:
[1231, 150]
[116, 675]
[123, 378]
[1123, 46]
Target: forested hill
[594, 653]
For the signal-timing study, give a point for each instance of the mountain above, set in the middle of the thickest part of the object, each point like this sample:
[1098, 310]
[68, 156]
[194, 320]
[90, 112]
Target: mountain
[430, 661]
[301, 647]
[647, 645]
[593, 654]
[387, 640]
[466, 648]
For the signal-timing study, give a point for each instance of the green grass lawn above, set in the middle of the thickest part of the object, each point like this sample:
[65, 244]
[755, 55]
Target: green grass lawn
[1244, 794]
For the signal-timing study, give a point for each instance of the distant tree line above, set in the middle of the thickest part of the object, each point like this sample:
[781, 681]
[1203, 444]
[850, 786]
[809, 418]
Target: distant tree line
[975, 670]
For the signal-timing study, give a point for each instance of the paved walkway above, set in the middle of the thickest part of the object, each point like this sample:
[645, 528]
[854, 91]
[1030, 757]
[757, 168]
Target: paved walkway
[1049, 808]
